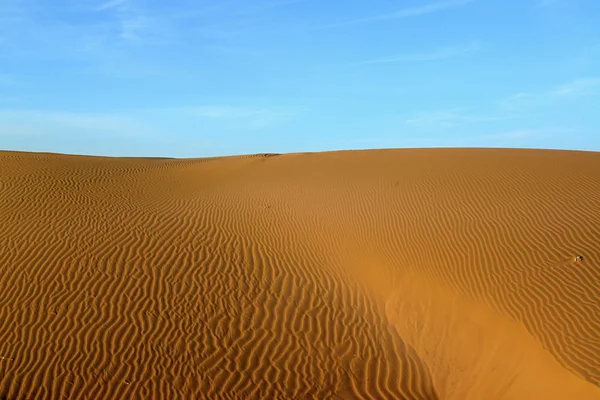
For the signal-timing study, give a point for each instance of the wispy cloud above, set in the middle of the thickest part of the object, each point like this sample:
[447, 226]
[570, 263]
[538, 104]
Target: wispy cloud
[574, 89]
[135, 24]
[535, 137]
[110, 4]
[514, 135]
[48, 121]
[447, 118]
[578, 87]
[277, 3]
[514, 138]
[251, 117]
[113, 38]
[401, 13]
[226, 112]
[106, 36]
[550, 3]
[438, 54]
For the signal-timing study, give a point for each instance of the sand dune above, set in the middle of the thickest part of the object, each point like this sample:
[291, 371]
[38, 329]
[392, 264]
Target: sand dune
[415, 274]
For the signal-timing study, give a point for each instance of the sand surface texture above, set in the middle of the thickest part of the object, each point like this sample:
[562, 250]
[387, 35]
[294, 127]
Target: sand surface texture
[414, 274]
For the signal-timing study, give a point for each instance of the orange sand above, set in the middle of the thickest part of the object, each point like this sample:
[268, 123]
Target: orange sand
[416, 274]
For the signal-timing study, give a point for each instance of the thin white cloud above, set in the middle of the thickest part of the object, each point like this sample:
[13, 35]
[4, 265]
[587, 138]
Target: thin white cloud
[515, 135]
[225, 112]
[110, 4]
[250, 117]
[550, 3]
[135, 24]
[47, 122]
[447, 118]
[402, 13]
[527, 137]
[576, 88]
[511, 138]
[278, 3]
[438, 54]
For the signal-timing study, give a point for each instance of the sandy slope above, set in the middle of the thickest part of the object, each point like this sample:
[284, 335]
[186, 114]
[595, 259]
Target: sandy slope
[417, 274]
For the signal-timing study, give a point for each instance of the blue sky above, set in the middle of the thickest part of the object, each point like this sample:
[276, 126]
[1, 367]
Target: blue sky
[194, 78]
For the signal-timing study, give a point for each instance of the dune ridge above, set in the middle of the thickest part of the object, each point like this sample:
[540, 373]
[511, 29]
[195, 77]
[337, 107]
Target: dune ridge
[318, 275]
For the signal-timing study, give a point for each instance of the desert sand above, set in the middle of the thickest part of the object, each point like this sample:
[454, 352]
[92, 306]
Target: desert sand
[384, 274]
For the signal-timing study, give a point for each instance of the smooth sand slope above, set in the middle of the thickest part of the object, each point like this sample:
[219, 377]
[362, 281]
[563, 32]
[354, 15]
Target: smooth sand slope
[416, 274]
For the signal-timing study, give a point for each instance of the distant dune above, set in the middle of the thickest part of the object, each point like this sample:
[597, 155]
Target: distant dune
[384, 274]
